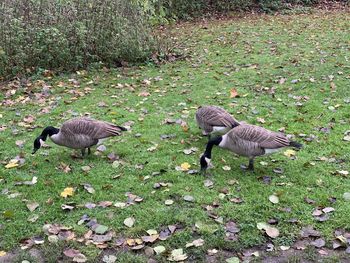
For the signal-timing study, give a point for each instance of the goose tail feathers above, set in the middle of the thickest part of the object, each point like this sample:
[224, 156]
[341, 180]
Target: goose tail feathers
[296, 144]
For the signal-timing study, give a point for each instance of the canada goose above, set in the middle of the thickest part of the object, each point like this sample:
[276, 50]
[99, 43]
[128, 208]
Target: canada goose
[79, 133]
[247, 140]
[214, 120]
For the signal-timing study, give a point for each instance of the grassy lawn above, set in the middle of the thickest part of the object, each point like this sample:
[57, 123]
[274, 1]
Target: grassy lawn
[291, 73]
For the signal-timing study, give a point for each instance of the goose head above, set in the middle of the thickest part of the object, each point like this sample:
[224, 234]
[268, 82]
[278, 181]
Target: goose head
[37, 144]
[48, 131]
[205, 163]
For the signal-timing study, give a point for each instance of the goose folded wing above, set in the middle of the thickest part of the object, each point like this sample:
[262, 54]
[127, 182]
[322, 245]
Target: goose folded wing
[263, 137]
[89, 127]
[221, 119]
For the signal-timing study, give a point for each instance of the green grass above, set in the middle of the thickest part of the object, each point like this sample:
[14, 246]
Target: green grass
[250, 55]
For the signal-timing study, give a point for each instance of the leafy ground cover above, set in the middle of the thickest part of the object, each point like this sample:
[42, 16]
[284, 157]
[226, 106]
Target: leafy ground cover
[139, 198]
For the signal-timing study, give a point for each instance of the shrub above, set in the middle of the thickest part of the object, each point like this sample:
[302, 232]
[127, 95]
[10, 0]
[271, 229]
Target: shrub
[70, 34]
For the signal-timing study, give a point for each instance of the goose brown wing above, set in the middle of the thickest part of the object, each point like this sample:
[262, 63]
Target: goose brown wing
[215, 116]
[93, 128]
[261, 136]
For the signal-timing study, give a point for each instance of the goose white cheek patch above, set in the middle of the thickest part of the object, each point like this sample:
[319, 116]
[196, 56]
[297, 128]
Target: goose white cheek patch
[209, 163]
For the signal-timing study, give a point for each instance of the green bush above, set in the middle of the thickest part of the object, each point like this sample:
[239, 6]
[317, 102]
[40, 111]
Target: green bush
[70, 34]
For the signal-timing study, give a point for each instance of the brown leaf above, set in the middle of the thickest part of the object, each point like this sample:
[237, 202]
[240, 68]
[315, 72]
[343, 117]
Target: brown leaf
[309, 232]
[272, 232]
[150, 239]
[233, 93]
[318, 243]
[32, 206]
[232, 227]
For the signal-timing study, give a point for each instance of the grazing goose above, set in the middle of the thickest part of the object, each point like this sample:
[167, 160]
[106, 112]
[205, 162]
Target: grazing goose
[248, 140]
[79, 133]
[215, 120]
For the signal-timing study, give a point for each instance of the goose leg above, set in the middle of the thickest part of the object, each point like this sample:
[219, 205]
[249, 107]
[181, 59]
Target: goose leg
[83, 152]
[251, 165]
[89, 150]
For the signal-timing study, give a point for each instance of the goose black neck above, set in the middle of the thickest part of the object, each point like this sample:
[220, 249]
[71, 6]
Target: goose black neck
[213, 141]
[49, 131]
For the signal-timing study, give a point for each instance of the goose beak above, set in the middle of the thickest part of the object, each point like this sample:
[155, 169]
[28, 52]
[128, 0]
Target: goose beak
[34, 151]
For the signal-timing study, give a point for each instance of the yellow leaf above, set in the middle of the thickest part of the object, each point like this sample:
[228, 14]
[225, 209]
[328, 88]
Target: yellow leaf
[233, 93]
[2, 253]
[68, 191]
[12, 164]
[184, 126]
[185, 166]
[289, 153]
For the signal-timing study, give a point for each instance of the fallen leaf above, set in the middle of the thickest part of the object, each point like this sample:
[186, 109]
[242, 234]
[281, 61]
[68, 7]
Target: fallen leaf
[68, 191]
[65, 167]
[144, 93]
[67, 207]
[346, 196]
[309, 201]
[343, 172]
[86, 168]
[129, 222]
[184, 126]
[76, 255]
[185, 166]
[232, 227]
[289, 153]
[152, 232]
[273, 199]
[2, 253]
[12, 164]
[272, 232]
[169, 202]
[109, 259]
[318, 243]
[309, 231]
[89, 188]
[100, 229]
[32, 182]
[188, 198]
[212, 252]
[177, 255]
[196, 243]
[233, 93]
[317, 212]
[150, 239]
[159, 249]
[101, 148]
[208, 183]
[261, 120]
[32, 206]
[322, 218]
[32, 218]
[120, 204]
[284, 248]
[226, 168]
[328, 209]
